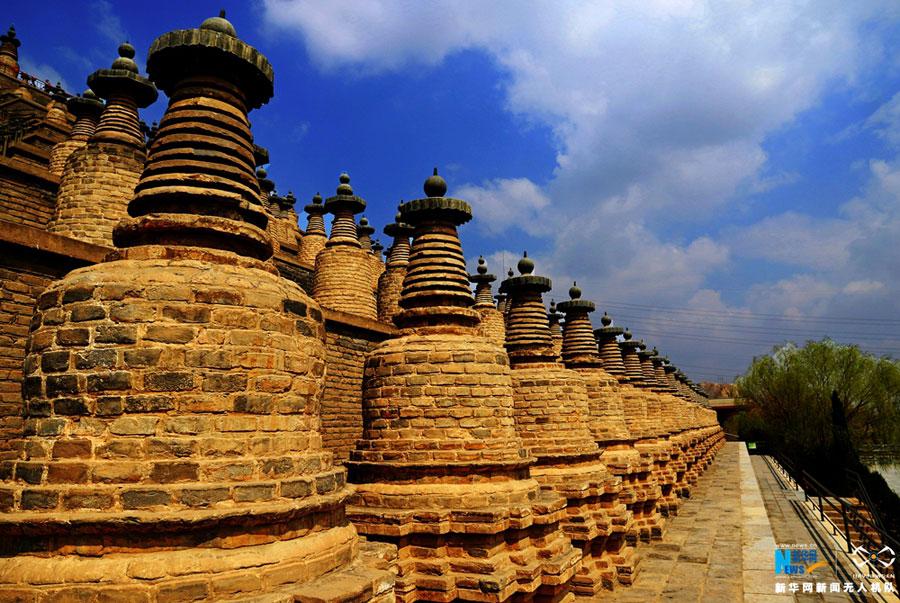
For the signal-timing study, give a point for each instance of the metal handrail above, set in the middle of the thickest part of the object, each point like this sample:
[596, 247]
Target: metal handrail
[812, 488]
[867, 500]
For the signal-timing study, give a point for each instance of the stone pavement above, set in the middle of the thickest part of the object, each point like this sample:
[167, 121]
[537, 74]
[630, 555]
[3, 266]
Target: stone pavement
[721, 545]
[700, 557]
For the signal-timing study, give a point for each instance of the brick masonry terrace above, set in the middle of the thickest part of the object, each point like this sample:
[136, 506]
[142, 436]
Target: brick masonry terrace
[202, 401]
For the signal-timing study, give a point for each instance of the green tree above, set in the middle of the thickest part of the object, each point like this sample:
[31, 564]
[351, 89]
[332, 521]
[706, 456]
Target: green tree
[791, 390]
[799, 399]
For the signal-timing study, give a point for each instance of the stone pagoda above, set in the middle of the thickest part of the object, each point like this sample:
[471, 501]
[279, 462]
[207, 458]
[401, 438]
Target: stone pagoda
[492, 320]
[344, 275]
[440, 470]
[171, 448]
[98, 180]
[56, 108]
[284, 223]
[390, 283]
[315, 237]
[607, 424]
[674, 432]
[648, 521]
[364, 232]
[86, 109]
[656, 436]
[9, 53]
[556, 331]
[552, 418]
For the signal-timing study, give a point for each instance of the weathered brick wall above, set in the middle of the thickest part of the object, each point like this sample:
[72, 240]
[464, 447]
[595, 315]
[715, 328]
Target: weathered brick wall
[30, 259]
[295, 271]
[25, 273]
[96, 186]
[21, 282]
[345, 280]
[346, 348]
[26, 194]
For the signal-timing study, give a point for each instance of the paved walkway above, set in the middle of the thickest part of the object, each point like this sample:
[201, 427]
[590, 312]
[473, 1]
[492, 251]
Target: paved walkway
[794, 523]
[721, 546]
[700, 557]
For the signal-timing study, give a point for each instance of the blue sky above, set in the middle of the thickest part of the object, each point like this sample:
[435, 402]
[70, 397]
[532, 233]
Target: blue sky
[719, 176]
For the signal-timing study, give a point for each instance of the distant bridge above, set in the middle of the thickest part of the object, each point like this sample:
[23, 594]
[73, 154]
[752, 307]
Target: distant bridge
[726, 407]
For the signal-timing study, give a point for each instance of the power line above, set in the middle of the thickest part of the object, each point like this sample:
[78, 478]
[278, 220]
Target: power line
[747, 315]
[712, 338]
[746, 328]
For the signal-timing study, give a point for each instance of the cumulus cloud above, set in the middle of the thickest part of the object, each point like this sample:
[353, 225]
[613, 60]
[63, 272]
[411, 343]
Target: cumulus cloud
[660, 111]
[797, 240]
[507, 202]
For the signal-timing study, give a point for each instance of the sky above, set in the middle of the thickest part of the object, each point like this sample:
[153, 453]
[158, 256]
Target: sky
[719, 176]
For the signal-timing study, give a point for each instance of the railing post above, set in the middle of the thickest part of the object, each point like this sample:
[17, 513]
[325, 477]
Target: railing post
[846, 527]
[821, 509]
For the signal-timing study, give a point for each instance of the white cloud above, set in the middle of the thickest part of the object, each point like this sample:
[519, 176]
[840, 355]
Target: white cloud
[863, 287]
[659, 111]
[503, 203]
[107, 22]
[797, 240]
[885, 121]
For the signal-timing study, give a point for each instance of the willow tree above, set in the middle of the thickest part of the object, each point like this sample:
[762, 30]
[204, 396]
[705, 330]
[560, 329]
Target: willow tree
[791, 389]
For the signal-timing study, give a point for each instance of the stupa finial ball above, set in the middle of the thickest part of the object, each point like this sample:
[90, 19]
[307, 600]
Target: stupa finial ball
[526, 264]
[435, 186]
[125, 61]
[344, 187]
[510, 273]
[574, 291]
[219, 24]
[626, 335]
[482, 267]
[317, 199]
[606, 319]
[364, 221]
[552, 306]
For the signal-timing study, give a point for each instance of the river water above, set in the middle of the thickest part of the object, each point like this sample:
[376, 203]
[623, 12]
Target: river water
[891, 474]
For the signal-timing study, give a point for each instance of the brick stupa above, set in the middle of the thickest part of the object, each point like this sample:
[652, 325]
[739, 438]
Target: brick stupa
[552, 417]
[607, 425]
[390, 283]
[171, 447]
[287, 227]
[675, 429]
[657, 433]
[315, 237]
[634, 404]
[86, 109]
[556, 331]
[364, 232]
[99, 179]
[493, 323]
[9, 53]
[440, 470]
[344, 276]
